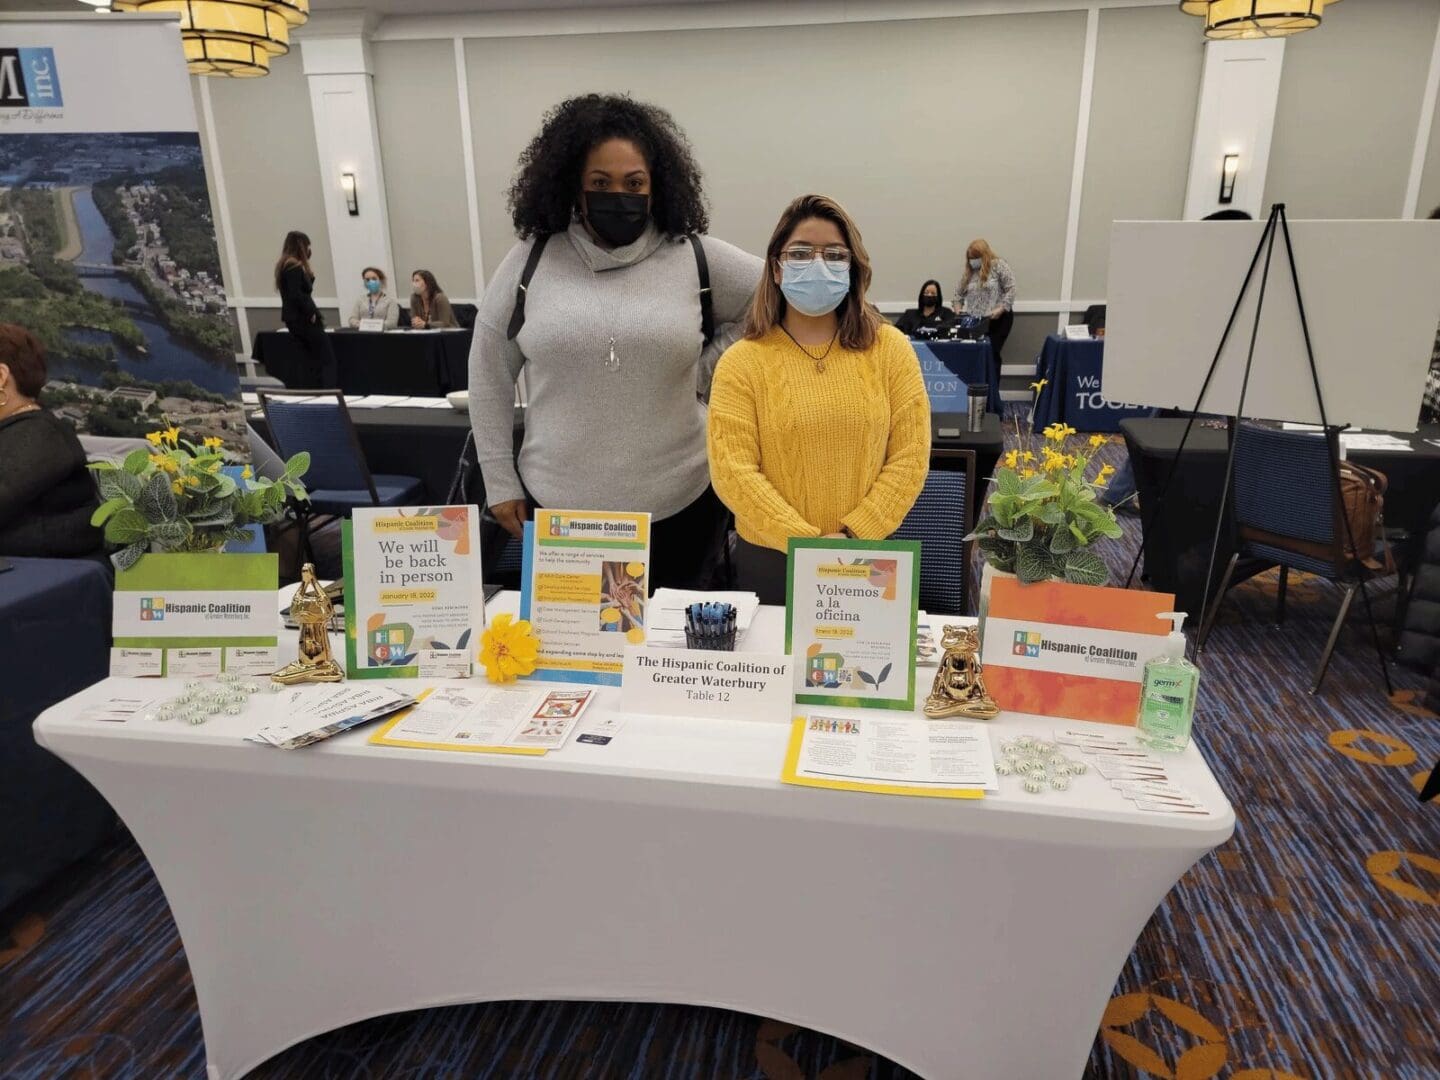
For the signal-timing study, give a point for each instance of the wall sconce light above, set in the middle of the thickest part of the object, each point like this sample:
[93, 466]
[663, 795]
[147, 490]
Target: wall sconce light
[1228, 170]
[347, 185]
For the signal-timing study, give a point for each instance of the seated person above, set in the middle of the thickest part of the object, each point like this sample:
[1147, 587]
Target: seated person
[429, 306]
[376, 303]
[46, 493]
[928, 313]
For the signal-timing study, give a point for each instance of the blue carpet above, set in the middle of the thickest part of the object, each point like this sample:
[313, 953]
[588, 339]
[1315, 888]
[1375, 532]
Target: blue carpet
[1307, 947]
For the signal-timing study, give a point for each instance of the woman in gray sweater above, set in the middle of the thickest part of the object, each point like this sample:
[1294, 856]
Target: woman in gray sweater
[610, 332]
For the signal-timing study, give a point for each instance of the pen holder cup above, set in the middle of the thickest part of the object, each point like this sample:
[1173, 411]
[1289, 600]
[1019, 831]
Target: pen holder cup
[720, 643]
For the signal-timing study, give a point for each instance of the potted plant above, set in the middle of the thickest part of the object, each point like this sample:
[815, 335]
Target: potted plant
[174, 497]
[1044, 515]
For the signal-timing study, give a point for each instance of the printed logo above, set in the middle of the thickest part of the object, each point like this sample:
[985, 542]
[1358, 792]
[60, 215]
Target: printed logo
[28, 79]
[152, 608]
[1026, 643]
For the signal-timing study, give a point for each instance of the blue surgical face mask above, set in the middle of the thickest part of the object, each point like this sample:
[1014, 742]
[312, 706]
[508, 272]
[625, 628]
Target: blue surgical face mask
[815, 290]
[974, 264]
[372, 285]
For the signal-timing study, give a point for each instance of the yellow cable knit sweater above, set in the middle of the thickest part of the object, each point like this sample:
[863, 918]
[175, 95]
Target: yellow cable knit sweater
[795, 451]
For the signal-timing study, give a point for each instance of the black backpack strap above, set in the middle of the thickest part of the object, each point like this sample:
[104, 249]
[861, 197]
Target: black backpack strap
[517, 316]
[707, 303]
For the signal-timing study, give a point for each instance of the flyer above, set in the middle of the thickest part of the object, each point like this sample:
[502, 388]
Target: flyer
[1077, 651]
[196, 615]
[850, 618]
[584, 586]
[413, 588]
[488, 720]
[891, 755]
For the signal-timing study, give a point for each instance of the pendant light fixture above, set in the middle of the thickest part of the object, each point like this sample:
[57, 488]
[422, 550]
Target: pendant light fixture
[233, 38]
[1231, 20]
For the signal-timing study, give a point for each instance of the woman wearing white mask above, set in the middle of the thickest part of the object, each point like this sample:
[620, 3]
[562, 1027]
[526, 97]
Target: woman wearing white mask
[819, 424]
[376, 303]
[987, 289]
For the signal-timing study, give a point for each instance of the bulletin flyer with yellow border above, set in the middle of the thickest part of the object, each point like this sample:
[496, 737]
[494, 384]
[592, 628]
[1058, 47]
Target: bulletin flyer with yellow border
[413, 586]
[850, 611]
[585, 587]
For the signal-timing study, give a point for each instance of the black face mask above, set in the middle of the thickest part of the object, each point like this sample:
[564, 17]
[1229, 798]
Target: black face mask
[618, 217]
[929, 301]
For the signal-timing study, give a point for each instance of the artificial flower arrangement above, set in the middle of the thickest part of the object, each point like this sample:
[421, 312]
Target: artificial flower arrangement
[508, 649]
[1044, 515]
[173, 497]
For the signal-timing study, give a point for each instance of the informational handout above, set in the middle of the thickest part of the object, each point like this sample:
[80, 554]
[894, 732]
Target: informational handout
[585, 586]
[313, 713]
[891, 755]
[489, 720]
[1367, 441]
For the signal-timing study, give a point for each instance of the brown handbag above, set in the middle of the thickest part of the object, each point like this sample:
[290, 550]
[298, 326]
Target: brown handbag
[1362, 500]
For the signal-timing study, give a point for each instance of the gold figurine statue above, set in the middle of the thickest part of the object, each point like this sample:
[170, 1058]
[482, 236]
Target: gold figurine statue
[311, 609]
[959, 688]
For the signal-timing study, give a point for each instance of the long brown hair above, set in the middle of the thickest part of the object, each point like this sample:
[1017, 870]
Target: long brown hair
[431, 285]
[982, 249]
[292, 253]
[859, 321]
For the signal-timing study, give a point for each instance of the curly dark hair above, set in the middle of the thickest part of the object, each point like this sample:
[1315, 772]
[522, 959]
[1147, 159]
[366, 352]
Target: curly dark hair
[546, 190]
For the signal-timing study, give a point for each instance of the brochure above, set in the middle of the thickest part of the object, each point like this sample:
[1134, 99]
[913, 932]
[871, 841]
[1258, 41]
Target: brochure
[314, 713]
[488, 720]
[891, 755]
[584, 586]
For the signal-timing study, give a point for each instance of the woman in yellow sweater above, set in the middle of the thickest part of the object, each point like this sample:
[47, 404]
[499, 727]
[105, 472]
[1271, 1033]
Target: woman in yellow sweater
[819, 423]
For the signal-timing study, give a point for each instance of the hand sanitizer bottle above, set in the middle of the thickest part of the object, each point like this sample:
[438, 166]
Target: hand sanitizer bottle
[1167, 693]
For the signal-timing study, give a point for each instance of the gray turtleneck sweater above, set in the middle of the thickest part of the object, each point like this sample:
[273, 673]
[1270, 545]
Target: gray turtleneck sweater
[631, 439]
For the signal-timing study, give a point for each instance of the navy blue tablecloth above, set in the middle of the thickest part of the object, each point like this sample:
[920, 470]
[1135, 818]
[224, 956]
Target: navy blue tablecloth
[54, 642]
[404, 362]
[1071, 370]
[950, 367]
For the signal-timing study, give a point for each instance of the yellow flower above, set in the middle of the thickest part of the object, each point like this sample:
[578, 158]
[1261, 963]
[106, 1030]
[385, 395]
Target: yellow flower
[1027, 456]
[1100, 482]
[245, 473]
[1026, 474]
[1012, 458]
[1066, 431]
[192, 481]
[172, 435]
[1106, 470]
[213, 443]
[154, 437]
[177, 487]
[508, 648]
[1038, 386]
[1098, 440]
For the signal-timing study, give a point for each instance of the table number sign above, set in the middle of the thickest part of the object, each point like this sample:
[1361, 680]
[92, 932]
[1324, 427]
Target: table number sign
[850, 621]
[196, 615]
[702, 682]
[414, 593]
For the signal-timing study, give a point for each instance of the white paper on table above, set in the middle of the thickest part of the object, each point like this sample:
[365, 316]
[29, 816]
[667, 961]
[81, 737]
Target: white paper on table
[116, 710]
[192, 663]
[466, 716]
[443, 664]
[927, 643]
[908, 750]
[552, 719]
[249, 398]
[137, 663]
[260, 660]
[427, 403]
[375, 401]
[601, 730]
[1389, 443]
[667, 613]
[313, 713]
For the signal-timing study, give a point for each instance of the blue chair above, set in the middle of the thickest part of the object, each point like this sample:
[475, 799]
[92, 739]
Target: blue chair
[1286, 513]
[339, 480]
[940, 519]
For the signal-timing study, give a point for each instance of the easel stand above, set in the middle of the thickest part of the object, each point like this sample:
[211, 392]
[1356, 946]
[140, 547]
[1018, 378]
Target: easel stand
[1276, 225]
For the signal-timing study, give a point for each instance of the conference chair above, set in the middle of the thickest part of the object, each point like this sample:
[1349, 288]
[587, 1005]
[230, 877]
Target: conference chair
[339, 478]
[465, 315]
[940, 519]
[1285, 513]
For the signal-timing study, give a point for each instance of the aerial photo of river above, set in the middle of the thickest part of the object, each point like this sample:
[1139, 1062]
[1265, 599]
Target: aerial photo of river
[166, 357]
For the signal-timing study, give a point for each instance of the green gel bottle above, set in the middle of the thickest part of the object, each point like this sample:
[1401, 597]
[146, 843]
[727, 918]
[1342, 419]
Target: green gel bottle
[1167, 693]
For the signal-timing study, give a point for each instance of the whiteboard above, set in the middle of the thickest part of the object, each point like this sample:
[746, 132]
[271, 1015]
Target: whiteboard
[1372, 298]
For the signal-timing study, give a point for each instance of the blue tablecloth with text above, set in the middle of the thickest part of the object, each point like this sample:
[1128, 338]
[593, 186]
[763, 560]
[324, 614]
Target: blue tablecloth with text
[1071, 370]
[949, 367]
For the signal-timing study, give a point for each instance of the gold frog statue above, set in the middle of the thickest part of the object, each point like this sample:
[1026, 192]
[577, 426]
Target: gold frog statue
[959, 688]
[311, 609]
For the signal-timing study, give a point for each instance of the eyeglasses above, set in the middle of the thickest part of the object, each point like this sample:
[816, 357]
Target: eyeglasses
[799, 256]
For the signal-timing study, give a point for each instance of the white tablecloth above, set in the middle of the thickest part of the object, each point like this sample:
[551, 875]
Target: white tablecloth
[318, 887]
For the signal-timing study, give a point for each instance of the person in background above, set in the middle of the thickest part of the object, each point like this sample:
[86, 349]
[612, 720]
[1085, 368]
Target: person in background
[376, 303]
[295, 282]
[429, 306]
[819, 421]
[987, 290]
[46, 493]
[927, 312]
[1430, 402]
[609, 333]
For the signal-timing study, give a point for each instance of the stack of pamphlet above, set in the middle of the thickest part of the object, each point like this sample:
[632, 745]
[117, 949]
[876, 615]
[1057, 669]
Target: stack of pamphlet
[313, 713]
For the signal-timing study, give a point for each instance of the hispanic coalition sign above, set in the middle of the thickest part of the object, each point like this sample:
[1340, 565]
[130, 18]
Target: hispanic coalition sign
[107, 241]
[1078, 651]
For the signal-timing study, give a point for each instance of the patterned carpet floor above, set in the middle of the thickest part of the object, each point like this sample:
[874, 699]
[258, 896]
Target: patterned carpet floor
[1307, 947]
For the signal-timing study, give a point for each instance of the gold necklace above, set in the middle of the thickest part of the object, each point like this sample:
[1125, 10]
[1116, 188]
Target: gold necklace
[819, 361]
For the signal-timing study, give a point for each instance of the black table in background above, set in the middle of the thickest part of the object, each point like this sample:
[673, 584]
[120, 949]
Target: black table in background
[405, 362]
[988, 444]
[1177, 545]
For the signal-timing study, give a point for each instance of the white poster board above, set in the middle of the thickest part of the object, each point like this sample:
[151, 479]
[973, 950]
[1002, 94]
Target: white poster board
[1372, 298]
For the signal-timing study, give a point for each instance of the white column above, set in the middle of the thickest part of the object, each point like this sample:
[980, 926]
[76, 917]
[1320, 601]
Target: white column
[1239, 90]
[336, 55]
